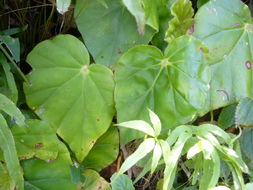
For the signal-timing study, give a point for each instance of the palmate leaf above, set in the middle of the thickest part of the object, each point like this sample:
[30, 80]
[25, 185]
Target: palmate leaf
[156, 123]
[157, 154]
[183, 12]
[78, 100]
[228, 32]
[138, 125]
[7, 145]
[51, 175]
[37, 139]
[173, 85]
[108, 31]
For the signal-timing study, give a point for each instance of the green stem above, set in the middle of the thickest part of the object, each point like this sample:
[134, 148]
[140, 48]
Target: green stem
[211, 113]
[14, 64]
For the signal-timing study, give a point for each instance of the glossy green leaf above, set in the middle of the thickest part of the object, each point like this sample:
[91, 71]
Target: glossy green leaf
[62, 6]
[227, 117]
[104, 152]
[78, 101]
[37, 139]
[10, 108]
[5, 179]
[156, 123]
[228, 34]
[244, 112]
[138, 125]
[157, 154]
[51, 175]
[145, 147]
[108, 31]
[121, 182]
[183, 12]
[173, 85]
[7, 145]
[93, 181]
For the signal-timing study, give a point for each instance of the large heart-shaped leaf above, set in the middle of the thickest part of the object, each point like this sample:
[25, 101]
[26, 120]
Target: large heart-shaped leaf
[37, 139]
[52, 175]
[104, 152]
[75, 97]
[173, 85]
[108, 29]
[226, 27]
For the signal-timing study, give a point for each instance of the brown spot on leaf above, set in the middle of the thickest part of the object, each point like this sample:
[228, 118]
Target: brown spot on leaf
[38, 146]
[92, 143]
[98, 119]
[248, 65]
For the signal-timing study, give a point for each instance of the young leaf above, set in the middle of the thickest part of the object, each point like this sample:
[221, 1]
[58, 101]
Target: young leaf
[156, 123]
[7, 145]
[228, 34]
[175, 84]
[138, 125]
[183, 12]
[62, 6]
[171, 160]
[145, 147]
[108, 32]
[78, 101]
[157, 154]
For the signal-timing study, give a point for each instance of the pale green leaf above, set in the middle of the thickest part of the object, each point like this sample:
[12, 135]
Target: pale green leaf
[37, 139]
[249, 186]
[138, 125]
[173, 85]
[156, 123]
[78, 100]
[7, 145]
[145, 147]
[194, 150]
[62, 6]
[183, 12]
[110, 31]
[171, 160]
[157, 154]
